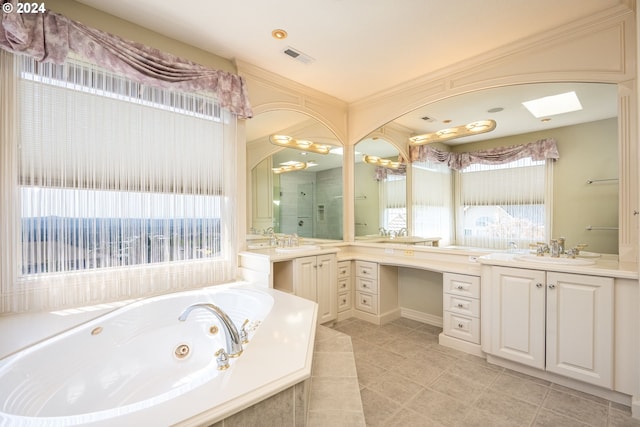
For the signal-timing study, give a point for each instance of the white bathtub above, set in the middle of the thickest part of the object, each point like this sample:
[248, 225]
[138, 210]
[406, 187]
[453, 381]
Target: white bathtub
[129, 374]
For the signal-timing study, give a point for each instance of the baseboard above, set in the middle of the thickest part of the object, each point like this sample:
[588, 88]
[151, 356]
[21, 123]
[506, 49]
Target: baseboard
[421, 317]
[458, 344]
[635, 407]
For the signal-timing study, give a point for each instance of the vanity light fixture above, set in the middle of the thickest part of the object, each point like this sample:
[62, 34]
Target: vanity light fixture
[378, 161]
[299, 144]
[472, 128]
[290, 167]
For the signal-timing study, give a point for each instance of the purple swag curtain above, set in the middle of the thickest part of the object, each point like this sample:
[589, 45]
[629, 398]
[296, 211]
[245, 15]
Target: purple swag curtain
[539, 150]
[50, 37]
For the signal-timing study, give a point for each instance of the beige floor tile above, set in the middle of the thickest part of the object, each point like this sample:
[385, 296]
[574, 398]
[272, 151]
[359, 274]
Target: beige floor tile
[333, 365]
[546, 418]
[457, 387]
[406, 417]
[520, 388]
[333, 344]
[335, 419]
[439, 407]
[395, 387]
[484, 374]
[377, 408]
[576, 407]
[622, 418]
[407, 379]
[368, 373]
[408, 323]
[507, 408]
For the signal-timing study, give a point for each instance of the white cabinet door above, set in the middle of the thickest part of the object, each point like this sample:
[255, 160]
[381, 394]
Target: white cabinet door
[518, 315]
[305, 282]
[316, 279]
[580, 327]
[327, 286]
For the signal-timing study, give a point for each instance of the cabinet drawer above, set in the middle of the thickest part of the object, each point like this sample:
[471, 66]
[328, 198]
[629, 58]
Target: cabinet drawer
[367, 269]
[462, 305]
[344, 301]
[344, 269]
[367, 302]
[461, 284]
[462, 327]
[367, 285]
[344, 284]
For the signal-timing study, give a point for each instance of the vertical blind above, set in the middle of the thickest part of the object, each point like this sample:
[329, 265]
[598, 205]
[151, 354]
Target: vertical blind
[393, 200]
[432, 201]
[124, 189]
[500, 204]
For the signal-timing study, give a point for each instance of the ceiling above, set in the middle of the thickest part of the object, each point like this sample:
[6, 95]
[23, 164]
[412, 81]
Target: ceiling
[357, 48]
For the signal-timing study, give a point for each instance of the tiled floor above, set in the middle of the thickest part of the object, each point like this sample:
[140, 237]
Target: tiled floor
[407, 379]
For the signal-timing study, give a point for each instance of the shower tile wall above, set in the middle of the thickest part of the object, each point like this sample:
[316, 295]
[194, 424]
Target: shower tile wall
[296, 199]
[311, 204]
[329, 204]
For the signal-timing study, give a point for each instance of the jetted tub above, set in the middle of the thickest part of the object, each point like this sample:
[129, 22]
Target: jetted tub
[139, 365]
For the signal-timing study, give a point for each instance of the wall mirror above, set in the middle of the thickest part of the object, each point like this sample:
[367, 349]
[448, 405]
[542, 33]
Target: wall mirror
[380, 194]
[306, 201]
[578, 197]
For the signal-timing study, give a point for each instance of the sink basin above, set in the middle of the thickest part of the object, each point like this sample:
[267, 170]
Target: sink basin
[556, 261]
[301, 248]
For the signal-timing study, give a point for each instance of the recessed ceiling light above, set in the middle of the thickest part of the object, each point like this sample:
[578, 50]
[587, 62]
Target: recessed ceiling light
[553, 105]
[279, 34]
[495, 110]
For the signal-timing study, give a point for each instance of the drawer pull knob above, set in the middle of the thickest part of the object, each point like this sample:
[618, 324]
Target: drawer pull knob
[552, 286]
[460, 325]
[343, 271]
[460, 287]
[460, 305]
[538, 285]
[364, 301]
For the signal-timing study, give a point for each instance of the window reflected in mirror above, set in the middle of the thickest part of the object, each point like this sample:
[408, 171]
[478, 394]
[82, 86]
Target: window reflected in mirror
[380, 197]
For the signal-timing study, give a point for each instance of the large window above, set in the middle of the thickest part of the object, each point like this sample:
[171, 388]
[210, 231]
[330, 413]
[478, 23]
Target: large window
[498, 205]
[123, 189]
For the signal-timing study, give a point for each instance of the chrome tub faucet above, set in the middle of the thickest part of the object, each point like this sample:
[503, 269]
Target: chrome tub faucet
[232, 336]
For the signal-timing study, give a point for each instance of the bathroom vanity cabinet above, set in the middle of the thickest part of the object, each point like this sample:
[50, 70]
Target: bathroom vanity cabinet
[315, 278]
[376, 291]
[559, 322]
[461, 306]
[344, 289]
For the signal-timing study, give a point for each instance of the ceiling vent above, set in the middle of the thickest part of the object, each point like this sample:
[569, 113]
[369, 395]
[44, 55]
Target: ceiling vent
[298, 56]
[428, 119]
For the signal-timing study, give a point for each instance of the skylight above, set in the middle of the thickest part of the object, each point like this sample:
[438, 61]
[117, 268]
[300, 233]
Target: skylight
[553, 105]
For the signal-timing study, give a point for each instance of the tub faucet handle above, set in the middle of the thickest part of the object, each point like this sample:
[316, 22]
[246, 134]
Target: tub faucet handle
[244, 335]
[223, 359]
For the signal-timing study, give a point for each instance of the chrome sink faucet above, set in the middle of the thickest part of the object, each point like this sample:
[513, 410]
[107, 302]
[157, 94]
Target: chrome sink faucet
[232, 336]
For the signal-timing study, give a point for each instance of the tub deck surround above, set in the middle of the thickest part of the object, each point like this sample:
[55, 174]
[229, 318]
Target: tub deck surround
[278, 356]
